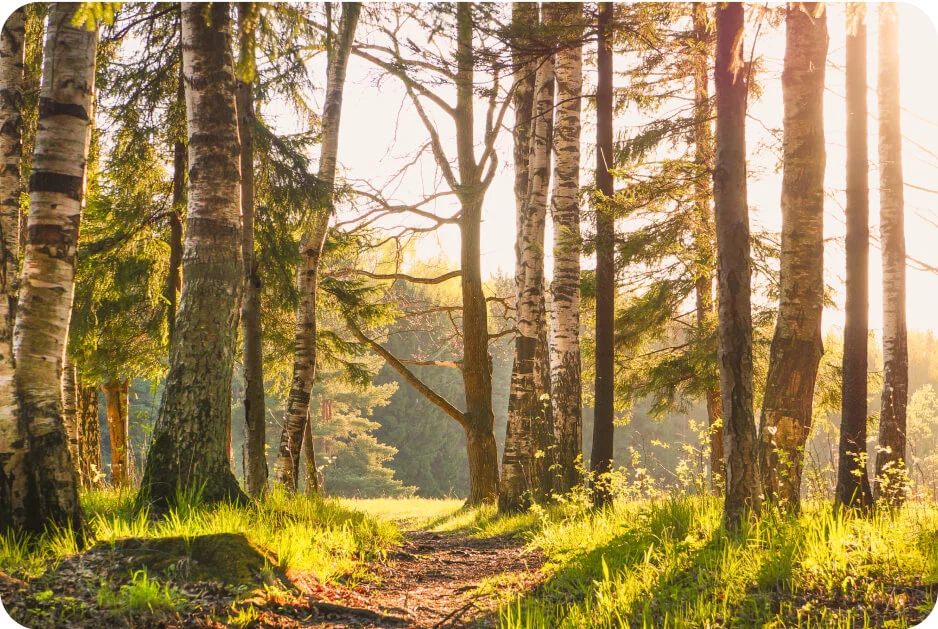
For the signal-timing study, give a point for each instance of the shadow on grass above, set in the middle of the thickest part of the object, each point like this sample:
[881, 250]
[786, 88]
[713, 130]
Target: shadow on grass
[671, 564]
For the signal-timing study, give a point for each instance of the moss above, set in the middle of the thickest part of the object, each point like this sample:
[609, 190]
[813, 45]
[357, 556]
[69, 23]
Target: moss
[228, 558]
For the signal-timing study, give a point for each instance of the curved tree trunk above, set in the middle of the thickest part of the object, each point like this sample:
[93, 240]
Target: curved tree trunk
[117, 405]
[188, 451]
[255, 458]
[56, 195]
[311, 245]
[566, 385]
[604, 408]
[12, 433]
[797, 347]
[891, 473]
[89, 436]
[313, 487]
[743, 489]
[704, 235]
[853, 482]
[528, 453]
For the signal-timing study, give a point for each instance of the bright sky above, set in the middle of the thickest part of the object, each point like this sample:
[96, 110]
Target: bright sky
[380, 132]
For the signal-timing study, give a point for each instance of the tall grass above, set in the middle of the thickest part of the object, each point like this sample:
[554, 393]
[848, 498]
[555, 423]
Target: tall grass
[314, 535]
[669, 563]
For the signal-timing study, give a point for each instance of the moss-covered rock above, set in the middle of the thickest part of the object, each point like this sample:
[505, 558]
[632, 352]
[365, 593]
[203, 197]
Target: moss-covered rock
[228, 558]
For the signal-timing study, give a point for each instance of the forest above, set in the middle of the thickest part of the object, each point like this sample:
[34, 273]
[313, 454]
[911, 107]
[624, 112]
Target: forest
[515, 315]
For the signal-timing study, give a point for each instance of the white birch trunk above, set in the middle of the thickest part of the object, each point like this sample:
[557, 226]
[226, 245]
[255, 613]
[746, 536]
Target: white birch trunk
[12, 445]
[566, 386]
[56, 197]
[287, 466]
[526, 459]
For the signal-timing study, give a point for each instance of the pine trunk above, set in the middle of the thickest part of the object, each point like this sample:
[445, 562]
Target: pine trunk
[56, 196]
[188, 450]
[566, 386]
[311, 246]
[891, 471]
[89, 436]
[528, 454]
[70, 409]
[604, 408]
[704, 236]
[743, 489]
[853, 483]
[255, 459]
[12, 433]
[797, 346]
[117, 405]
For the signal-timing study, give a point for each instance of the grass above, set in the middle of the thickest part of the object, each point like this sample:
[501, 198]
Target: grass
[141, 595]
[643, 563]
[319, 536]
[669, 564]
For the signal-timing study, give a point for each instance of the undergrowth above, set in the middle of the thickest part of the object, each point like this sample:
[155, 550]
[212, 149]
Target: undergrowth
[306, 534]
[668, 563]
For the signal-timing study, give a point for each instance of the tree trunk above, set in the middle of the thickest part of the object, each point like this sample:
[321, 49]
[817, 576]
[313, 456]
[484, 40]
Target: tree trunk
[188, 450]
[311, 246]
[70, 409]
[704, 233]
[174, 277]
[56, 195]
[891, 474]
[797, 347]
[117, 405]
[89, 436]
[742, 483]
[312, 472]
[255, 458]
[528, 454]
[12, 433]
[604, 409]
[853, 483]
[477, 364]
[566, 386]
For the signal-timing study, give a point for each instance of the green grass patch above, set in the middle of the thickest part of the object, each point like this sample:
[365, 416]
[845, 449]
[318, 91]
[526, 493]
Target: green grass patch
[669, 563]
[142, 595]
[321, 536]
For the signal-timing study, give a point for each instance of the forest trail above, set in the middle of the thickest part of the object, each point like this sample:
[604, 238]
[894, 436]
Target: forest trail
[436, 580]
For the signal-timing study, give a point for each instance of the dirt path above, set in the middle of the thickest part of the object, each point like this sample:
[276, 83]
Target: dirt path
[433, 580]
[436, 580]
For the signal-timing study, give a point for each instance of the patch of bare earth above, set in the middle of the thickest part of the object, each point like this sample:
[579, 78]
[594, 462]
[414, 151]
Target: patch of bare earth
[453, 580]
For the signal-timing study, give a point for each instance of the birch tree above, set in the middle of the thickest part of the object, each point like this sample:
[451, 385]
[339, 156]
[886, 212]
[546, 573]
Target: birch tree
[743, 487]
[566, 385]
[12, 446]
[528, 451]
[797, 346]
[890, 479]
[188, 449]
[287, 467]
[56, 195]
